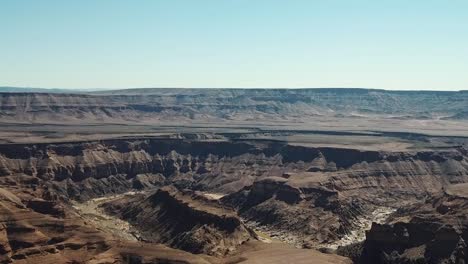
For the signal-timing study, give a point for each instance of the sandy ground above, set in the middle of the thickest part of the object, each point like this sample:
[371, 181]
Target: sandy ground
[92, 213]
[460, 189]
[212, 196]
[277, 253]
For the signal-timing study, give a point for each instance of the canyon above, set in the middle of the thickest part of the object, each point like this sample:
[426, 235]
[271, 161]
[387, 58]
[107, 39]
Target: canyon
[233, 176]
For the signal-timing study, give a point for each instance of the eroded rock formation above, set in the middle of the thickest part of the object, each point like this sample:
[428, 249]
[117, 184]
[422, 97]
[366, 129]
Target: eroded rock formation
[182, 220]
[311, 193]
[434, 232]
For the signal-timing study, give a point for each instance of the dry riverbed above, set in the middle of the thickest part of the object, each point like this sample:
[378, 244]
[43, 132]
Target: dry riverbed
[91, 212]
[363, 224]
[380, 215]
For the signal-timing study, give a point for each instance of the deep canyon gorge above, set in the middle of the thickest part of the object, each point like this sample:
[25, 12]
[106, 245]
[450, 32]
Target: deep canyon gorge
[125, 184]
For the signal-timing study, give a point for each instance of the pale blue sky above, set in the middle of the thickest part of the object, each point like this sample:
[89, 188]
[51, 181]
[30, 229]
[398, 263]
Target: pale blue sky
[394, 44]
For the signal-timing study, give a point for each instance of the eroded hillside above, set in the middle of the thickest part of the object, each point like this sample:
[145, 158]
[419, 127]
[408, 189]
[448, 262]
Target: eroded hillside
[305, 197]
[233, 176]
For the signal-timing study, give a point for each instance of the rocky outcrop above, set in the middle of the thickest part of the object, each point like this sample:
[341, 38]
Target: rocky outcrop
[435, 232]
[181, 220]
[312, 215]
[312, 193]
[34, 230]
[321, 205]
[46, 207]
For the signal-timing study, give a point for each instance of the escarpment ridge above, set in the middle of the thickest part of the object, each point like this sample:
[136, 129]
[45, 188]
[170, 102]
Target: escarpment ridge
[229, 104]
[224, 167]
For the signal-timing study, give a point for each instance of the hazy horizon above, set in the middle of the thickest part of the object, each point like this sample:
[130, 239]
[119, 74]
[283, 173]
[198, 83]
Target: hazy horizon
[397, 45]
[258, 88]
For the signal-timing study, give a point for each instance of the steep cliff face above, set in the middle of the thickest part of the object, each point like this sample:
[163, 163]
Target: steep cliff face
[435, 232]
[322, 204]
[182, 220]
[314, 194]
[85, 170]
[306, 216]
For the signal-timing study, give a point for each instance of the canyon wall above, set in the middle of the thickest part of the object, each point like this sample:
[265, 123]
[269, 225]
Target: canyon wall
[313, 194]
[90, 169]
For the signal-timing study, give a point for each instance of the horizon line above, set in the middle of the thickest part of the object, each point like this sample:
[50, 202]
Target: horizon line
[228, 88]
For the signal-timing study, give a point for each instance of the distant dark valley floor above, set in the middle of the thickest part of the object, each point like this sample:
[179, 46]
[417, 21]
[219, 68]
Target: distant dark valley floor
[234, 176]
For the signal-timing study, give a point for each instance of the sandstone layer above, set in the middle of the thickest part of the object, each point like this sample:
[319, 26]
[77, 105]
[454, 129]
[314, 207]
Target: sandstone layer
[311, 194]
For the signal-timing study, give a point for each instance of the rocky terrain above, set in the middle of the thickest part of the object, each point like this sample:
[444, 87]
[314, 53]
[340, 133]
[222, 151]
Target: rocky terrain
[183, 221]
[316, 209]
[35, 230]
[109, 177]
[229, 104]
[434, 231]
[48, 176]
